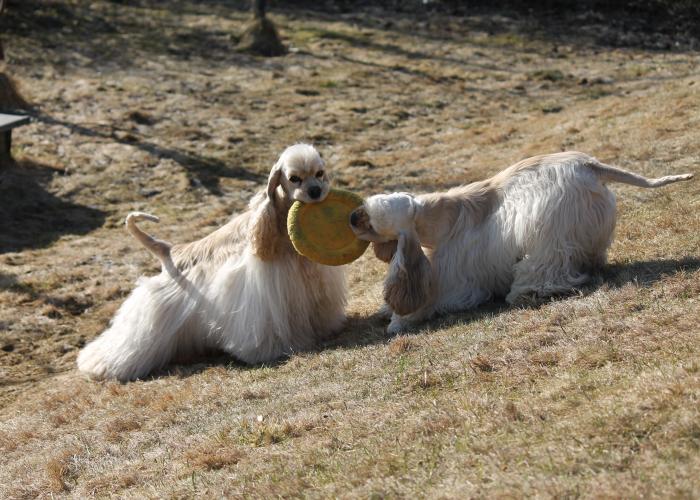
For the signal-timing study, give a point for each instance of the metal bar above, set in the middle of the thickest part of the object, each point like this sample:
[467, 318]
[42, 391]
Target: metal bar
[8, 121]
[5, 145]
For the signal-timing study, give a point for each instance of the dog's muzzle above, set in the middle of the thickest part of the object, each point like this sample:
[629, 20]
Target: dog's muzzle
[359, 219]
[354, 219]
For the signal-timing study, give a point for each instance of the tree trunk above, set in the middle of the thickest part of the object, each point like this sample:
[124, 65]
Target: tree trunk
[2, 8]
[260, 35]
[259, 8]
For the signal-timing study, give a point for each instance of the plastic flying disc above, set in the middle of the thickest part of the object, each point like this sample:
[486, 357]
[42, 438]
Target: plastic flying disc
[321, 231]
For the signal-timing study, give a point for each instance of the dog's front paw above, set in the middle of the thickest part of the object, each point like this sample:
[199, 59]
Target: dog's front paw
[397, 325]
[92, 361]
[385, 312]
[523, 300]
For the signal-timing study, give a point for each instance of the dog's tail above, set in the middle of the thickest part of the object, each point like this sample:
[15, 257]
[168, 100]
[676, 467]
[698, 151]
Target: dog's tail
[608, 173]
[159, 248]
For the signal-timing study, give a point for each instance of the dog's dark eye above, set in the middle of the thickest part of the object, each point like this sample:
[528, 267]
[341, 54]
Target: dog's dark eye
[320, 173]
[295, 179]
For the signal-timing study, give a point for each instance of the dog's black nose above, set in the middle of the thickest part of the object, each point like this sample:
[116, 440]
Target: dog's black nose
[354, 219]
[314, 192]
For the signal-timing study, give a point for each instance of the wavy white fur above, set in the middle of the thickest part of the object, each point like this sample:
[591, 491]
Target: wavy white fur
[242, 289]
[537, 227]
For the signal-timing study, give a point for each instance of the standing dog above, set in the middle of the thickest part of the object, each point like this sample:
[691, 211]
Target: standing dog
[243, 289]
[536, 227]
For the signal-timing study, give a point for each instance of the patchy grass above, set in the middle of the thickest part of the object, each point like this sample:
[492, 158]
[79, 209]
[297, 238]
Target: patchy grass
[595, 394]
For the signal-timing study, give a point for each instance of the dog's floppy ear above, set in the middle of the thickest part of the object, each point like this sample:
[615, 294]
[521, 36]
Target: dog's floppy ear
[408, 285]
[269, 228]
[274, 180]
[385, 251]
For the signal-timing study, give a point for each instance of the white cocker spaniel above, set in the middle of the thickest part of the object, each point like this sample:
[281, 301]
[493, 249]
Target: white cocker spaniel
[243, 289]
[536, 227]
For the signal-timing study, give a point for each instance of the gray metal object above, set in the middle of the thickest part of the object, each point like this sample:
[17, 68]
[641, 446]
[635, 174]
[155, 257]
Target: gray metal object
[7, 123]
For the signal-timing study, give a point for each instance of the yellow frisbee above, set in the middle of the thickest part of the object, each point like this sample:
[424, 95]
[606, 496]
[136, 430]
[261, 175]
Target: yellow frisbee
[321, 231]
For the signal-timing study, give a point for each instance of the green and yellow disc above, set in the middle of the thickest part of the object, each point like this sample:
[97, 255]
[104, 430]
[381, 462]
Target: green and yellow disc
[321, 231]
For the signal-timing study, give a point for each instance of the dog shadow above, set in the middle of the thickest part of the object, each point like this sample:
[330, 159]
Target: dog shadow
[360, 331]
[32, 217]
[644, 273]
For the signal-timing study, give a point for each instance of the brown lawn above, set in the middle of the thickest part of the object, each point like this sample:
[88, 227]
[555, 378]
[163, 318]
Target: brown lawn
[140, 106]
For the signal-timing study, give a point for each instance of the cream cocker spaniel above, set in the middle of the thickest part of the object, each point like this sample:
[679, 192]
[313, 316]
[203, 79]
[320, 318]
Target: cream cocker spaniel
[243, 289]
[536, 227]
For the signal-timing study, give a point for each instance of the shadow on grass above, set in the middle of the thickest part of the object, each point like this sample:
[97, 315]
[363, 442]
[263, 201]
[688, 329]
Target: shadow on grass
[31, 217]
[124, 33]
[362, 331]
[646, 273]
[395, 50]
[200, 169]
[512, 25]
[119, 33]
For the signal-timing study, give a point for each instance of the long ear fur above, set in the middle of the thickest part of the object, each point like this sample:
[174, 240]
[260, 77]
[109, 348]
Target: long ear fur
[409, 282]
[274, 180]
[385, 251]
[269, 226]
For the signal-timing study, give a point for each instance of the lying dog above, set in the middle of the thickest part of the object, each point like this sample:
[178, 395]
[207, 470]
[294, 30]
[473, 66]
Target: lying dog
[243, 289]
[536, 227]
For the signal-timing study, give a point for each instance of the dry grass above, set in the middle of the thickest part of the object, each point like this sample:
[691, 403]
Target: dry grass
[593, 395]
[58, 472]
[482, 363]
[401, 344]
[213, 456]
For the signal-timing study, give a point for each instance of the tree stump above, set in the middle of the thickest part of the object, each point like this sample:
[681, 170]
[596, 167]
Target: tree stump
[10, 97]
[260, 35]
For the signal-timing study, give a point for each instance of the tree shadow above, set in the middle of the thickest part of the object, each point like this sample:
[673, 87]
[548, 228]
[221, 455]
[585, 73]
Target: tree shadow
[200, 169]
[122, 32]
[368, 44]
[510, 29]
[119, 32]
[602, 25]
[31, 217]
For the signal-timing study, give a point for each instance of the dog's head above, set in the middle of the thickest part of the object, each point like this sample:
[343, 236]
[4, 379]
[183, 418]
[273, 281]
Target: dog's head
[382, 218]
[388, 221]
[301, 173]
